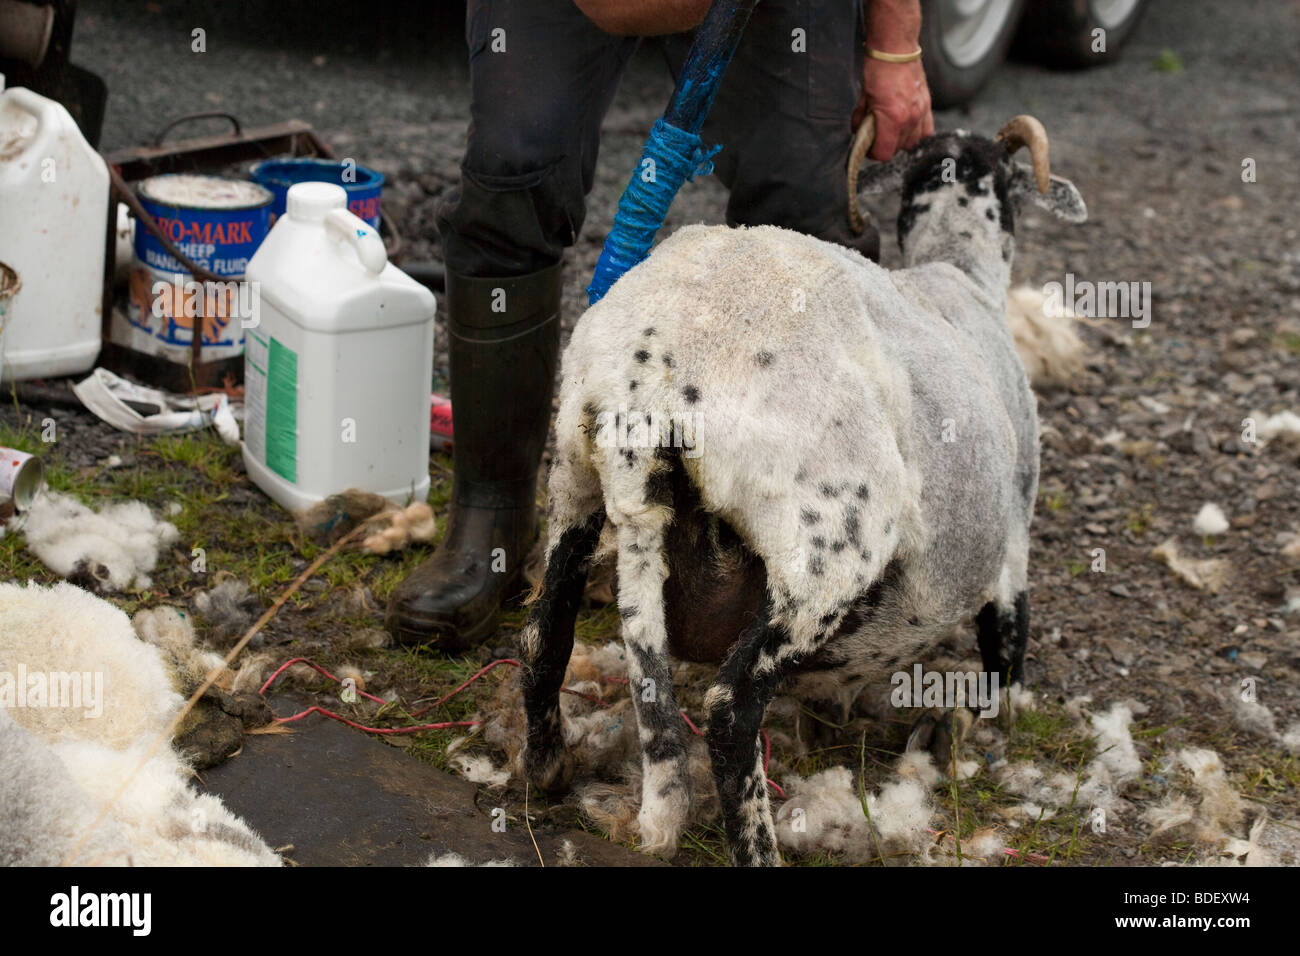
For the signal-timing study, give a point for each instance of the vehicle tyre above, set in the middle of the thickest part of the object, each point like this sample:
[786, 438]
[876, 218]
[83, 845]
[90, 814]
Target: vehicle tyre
[1061, 33]
[964, 42]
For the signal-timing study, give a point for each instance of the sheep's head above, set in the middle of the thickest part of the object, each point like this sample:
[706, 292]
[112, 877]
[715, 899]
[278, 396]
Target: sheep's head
[960, 192]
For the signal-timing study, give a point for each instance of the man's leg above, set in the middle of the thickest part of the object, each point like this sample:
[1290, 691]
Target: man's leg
[783, 116]
[542, 77]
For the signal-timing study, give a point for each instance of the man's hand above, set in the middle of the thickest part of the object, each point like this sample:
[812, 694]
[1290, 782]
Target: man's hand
[895, 92]
[644, 18]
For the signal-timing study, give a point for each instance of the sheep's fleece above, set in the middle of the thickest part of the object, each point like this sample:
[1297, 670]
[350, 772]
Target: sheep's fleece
[61, 764]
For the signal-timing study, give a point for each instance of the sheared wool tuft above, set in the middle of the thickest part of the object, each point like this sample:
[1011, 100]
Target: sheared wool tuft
[919, 765]
[1221, 807]
[1291, 739]
[1048, 345]
[1252, 717]
[478, 769]
[1211, 816]
[393, 530]
[1094, 786]
[1210, 520]
[567, 855]
[1115, 742]
[1282, 425]
[61, 765]
[170, 630]
[228, 609]
[1021, 699]
[608, 660]
[1209, 574]
[353, 673]
[1171, 812]
[985, 844]
[1248, 852]
[253, 671]
[110, 550]
[824, 813]
[455, 859]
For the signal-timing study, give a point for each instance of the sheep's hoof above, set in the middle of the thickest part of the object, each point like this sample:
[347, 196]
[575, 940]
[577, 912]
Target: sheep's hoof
[551, 770]
[662, 818]
[940, 732]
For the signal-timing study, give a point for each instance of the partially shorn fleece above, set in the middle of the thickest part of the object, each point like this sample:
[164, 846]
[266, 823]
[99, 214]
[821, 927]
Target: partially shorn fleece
[61, 765]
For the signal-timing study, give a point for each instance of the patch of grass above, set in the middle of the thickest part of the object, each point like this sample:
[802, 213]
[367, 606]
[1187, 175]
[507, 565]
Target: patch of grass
[1289, 341]
[1048, 734]
[1140, 520]
[1057, 502]
[1271, 776]
[1168, 62]
[599, 627]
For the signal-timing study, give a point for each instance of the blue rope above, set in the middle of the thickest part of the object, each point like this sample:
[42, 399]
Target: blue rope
[671, 156]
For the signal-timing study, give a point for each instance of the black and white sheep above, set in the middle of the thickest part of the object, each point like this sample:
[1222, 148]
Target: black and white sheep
[814, 468]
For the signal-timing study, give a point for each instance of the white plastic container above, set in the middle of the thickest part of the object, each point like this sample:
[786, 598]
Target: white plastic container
[338, 368]
[53, 225]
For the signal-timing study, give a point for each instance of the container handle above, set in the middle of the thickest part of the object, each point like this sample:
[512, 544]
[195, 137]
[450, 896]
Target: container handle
[347, 227]
[206, 114]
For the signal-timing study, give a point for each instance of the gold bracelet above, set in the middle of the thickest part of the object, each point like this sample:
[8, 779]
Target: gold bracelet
[894, 57]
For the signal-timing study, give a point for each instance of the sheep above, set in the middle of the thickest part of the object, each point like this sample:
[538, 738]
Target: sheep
[814, 468]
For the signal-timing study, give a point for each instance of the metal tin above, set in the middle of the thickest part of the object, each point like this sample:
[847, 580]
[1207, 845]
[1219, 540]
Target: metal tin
[363, 185]
[218, 223]
[21, 477]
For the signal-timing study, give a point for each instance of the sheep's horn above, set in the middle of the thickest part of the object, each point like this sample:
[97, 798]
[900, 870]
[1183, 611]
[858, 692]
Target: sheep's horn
[866, 135]
[1024, 130]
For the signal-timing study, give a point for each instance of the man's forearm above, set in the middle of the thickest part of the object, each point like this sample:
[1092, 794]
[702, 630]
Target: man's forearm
[893, 26]
[644, 17]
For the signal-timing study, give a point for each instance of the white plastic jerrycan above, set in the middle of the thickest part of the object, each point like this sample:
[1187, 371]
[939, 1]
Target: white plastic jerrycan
[53, 222]
[338, 362]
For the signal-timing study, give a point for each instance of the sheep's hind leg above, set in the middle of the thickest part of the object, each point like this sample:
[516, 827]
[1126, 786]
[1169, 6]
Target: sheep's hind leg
[746, 683]
[941, 732]
[547, 641]
[1002, 629]
[665, 780]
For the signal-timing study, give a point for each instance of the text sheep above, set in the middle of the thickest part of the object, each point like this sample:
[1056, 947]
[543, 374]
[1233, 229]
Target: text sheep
[862, 476]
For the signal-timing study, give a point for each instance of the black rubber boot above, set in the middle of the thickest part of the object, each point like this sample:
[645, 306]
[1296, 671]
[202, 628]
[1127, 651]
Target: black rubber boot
[505, 341]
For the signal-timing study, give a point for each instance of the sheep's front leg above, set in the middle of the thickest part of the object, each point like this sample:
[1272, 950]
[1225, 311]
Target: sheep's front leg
[746, 684]
[665, 781]
[547, 642]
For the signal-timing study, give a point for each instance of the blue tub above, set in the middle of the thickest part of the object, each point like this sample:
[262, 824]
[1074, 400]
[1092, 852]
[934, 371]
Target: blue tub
[278, 175]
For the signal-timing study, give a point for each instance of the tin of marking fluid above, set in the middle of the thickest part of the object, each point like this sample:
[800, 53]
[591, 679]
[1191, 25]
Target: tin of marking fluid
[219, 223]
[363, 185]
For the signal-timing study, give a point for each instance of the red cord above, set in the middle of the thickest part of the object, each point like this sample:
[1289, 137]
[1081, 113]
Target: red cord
[319, 670]
[598, 701]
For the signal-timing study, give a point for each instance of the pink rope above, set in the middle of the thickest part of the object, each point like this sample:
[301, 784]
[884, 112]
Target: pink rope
[598, 701]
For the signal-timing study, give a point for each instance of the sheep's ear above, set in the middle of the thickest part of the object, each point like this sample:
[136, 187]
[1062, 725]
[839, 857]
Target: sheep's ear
[1062, 200]
[884, 177]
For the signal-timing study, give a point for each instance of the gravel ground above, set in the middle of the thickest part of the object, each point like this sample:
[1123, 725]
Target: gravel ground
[1131, 450]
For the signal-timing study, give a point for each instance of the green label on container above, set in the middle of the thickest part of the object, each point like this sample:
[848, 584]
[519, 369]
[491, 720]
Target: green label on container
[282, 411]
